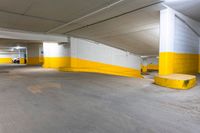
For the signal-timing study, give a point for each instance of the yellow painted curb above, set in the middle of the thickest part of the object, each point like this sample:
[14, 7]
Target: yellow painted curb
[176, 81]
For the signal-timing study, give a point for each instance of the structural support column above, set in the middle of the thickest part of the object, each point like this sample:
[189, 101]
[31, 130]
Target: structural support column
[167, 26]
[179, 50]
[179, 43]
[35, 54]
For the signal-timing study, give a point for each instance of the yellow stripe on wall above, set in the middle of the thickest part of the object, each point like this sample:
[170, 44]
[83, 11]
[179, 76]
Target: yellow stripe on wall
[144, 68]
[81, 65]
[33, 61]
[56, 62]
[5, 60]
[182, 63]
[152, 67]
[70, 64]
[22, 61]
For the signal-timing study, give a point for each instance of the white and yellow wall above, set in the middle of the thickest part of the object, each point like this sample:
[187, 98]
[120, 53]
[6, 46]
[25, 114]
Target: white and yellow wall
[88, 56]
[6, 58]
[35, 54]
[7, 54]
[56, 55]
[150, 64]
[179, 43]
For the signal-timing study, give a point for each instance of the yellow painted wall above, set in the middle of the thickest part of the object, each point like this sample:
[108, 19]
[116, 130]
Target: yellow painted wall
[33, 61]
[199, 65]
[144, 68]
[56, 62]
[182, 63]
[81, 65]
[22, 61]
[149, 67]
[152, 67]
[5, 60]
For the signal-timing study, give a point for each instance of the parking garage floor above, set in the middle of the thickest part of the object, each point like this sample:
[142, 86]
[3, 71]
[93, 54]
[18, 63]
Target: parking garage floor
[36, 100]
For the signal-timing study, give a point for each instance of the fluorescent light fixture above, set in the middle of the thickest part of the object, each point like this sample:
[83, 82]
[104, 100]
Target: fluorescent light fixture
[18, 47]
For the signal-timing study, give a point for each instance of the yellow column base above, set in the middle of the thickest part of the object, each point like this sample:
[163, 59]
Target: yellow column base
[176, 81]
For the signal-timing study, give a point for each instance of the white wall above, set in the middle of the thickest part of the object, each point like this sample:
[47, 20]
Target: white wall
[33, 50]
[89, 50]
[9, 55]
[150, 60]
[51, 49]
[185, 39]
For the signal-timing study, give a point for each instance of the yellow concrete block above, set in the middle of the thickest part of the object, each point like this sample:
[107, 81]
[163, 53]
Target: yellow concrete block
[176, 81]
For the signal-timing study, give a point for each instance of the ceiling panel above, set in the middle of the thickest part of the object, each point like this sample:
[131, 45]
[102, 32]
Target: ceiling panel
[20, 22]
[17, 6]
[65, 10]
[190, 8]
[127, 31]
[123, 7]
[137, 32]
[15, 42]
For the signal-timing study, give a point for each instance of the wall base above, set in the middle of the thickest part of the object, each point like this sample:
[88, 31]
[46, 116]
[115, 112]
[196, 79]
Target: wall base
[5, 60]
[81, 65]
[34, 61]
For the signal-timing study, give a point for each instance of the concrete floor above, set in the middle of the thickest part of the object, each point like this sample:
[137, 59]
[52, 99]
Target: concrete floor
[36, 100]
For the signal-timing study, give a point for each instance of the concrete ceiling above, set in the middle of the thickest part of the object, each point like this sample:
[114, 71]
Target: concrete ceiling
[190, 8]
[14, 42]
[132, 25]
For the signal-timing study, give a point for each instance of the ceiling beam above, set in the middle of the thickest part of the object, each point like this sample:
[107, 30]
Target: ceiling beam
[85, 16]
[32, 36]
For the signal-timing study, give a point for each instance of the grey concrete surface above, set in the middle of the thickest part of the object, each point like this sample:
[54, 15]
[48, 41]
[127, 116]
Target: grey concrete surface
[36, 100]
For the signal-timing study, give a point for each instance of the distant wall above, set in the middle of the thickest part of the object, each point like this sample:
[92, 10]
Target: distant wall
[150, 63]
[34, 54]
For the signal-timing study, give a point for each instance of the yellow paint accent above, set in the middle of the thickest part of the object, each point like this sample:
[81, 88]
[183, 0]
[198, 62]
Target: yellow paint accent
[5, 60]
[22, 61]
[56, 62]
[144, 68]
[152, 67]
[182, 63]
[82, 65]
[199, 65]
[166, 63]
[41, 59]
[33, 61]
[176, 81]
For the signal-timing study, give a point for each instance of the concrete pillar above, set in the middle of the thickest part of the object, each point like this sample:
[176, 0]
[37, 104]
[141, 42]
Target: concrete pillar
[22, 57]
[179, 43]
[34, 54]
